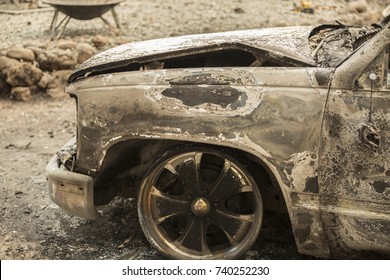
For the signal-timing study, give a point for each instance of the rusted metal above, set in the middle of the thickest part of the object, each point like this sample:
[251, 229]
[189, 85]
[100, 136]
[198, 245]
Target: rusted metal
[81, 10]
[73, 192]
[293, 104]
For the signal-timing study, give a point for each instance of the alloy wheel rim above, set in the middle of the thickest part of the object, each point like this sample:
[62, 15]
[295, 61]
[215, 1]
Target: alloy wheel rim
[201, 209]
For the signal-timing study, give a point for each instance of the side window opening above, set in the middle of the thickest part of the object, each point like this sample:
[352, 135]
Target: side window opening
[379, 67]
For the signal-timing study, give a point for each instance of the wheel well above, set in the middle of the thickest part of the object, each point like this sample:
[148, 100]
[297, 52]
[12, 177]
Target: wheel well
[127, 162]
[270, 190]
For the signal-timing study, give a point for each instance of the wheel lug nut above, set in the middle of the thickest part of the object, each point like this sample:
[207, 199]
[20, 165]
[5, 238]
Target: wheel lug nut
[189, 197]
[204, 192]
[189, 213]
[207, 219]
[216, 204]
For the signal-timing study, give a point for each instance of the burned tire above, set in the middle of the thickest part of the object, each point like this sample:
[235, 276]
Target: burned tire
[200, 203]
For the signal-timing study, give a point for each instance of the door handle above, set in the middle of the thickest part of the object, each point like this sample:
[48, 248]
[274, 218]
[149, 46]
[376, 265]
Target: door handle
[370, 136]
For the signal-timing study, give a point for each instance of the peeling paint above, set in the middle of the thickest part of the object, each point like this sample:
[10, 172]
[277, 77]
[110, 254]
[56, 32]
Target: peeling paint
[196, 95]
[301, 172]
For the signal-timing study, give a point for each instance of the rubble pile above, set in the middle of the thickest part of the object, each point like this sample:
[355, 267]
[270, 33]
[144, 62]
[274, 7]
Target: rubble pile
[42, 68]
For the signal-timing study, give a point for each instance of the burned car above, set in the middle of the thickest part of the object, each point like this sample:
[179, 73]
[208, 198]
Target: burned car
[211, 132]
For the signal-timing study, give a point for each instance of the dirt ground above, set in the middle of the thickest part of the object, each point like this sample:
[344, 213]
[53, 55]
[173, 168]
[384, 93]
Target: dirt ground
[31, 226]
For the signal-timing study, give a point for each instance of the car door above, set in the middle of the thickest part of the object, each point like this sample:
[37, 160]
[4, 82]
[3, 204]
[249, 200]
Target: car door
[354, 172]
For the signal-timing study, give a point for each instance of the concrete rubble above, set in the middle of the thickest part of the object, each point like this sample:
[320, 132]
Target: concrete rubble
[21, 54]
[42, 68]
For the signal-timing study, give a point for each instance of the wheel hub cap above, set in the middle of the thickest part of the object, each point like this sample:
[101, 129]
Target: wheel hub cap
[200, 207]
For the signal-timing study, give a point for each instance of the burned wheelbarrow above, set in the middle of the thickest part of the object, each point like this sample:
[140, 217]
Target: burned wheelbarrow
[81, 10]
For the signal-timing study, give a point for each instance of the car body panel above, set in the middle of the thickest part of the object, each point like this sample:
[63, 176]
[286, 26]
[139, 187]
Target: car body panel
[287, 41]
[268, 112]
[280, 124]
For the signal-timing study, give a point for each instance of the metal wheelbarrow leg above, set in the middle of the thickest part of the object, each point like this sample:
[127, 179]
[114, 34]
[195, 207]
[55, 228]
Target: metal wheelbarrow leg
[54, 26]
[118, 29]
[81, 10]
[115, 16]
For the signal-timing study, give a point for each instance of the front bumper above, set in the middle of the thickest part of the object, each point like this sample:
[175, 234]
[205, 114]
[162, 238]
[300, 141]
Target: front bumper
[71, 191]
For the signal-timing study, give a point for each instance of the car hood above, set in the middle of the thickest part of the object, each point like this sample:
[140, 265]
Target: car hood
[284, 41]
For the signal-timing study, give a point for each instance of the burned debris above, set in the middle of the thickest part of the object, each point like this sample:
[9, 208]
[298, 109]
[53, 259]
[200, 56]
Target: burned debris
[67, 156]
[331, 45]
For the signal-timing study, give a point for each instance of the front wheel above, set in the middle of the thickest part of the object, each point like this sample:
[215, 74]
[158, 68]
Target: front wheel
[200, 203]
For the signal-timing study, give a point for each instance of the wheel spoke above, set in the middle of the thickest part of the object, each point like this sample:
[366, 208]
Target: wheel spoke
[188, 173]
[229, 183]
[212, 185]
[167, 206]
[194, 236]
[170, 168]
[246, 189]
[235, 226]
